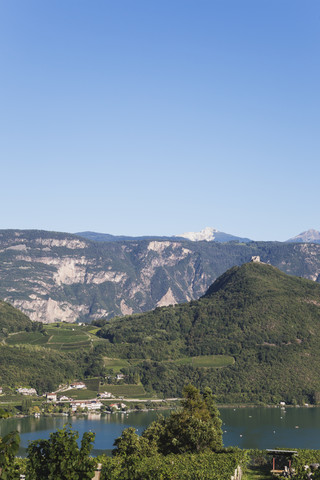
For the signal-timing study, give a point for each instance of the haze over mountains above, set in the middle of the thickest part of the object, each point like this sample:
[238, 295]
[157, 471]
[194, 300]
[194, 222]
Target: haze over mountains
[59, 276]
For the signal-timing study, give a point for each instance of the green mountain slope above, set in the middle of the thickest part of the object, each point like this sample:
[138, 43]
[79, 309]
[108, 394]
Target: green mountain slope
[23, 362]
[36, 367]
[11, 319]
[266, 320]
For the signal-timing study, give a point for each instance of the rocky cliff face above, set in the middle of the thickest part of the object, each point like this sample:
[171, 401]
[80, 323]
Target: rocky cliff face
[55, 276]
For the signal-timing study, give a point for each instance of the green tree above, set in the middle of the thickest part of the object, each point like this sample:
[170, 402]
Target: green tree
[26, 405]
[60, 458]
[131, 450]
[9, 446]
[4, 413]
[215, 416]
[193, 429]
[130, 443]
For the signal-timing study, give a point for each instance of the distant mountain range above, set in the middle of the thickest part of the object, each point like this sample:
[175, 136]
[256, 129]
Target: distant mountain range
[208, 234]
[107, 237]
[310, 236]
[59, 276]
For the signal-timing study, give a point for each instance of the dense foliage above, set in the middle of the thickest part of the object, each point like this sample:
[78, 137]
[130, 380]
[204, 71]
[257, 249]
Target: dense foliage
[44, 369]
[60, 457]
[208, 466]
[184, 445]
[137, 458]
[9, 446]
[303, 463]
[194, 428]
[12, 320]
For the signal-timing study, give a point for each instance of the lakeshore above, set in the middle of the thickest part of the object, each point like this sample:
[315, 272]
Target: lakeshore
[245, 427]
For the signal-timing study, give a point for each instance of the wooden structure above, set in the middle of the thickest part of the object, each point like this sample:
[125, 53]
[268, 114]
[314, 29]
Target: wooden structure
[281, 460]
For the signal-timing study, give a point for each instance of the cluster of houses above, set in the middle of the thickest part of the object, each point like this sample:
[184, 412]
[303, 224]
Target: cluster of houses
[53, 397]
[32, 391]
[89, 405]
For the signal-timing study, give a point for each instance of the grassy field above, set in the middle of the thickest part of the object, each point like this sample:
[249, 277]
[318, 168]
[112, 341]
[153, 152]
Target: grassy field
[67, 337]
[92, 330]
[93, 384]
[63, 335]
[206, 361]
[131, 391]
[16, 398]
[69, 347]
[60, 336]
[32, 338]
[85, 394]
[116, 363]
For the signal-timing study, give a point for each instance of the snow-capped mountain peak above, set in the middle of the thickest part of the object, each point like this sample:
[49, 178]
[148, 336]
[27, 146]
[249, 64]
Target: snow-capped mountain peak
[207, 234]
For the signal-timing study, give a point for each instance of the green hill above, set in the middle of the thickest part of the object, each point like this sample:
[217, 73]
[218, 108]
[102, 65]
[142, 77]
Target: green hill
[36, 367]
[11, 319]
[24, 361]
[266, 320]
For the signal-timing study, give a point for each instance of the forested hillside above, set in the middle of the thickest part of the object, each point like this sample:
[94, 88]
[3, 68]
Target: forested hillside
[253, 337]
[265, 320]
[11, 319]
[30, 355]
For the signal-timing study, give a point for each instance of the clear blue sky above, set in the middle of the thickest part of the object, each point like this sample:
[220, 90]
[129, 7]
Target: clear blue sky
[160, 116]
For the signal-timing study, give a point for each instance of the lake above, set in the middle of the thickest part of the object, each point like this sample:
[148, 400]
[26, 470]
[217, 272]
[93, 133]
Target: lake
[254, 427]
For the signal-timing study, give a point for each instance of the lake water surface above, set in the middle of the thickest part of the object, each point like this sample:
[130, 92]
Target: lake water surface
[254, 427]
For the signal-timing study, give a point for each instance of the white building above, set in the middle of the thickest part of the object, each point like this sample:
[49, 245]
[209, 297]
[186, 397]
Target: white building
[78, 385]
[64, 398]
[105, 395]
[51, 397]
[88, 404]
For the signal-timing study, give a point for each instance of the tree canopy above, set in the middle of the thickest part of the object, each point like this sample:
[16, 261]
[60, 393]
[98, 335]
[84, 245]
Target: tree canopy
[194, 428]
[60, 458]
